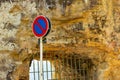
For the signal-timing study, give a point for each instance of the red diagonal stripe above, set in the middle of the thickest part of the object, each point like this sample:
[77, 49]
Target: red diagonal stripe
[39, 26]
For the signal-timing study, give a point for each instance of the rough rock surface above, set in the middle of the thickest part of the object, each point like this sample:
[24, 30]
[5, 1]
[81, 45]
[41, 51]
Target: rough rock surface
[86, 27]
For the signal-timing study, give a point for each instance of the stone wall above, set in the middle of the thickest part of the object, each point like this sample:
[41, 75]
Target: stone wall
[89, 28]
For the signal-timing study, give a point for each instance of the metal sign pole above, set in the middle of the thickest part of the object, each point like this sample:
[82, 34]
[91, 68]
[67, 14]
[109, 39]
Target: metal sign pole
[41, 59]
[38, 25]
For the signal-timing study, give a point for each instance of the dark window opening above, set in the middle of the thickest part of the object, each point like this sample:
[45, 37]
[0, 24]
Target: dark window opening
[63, 67]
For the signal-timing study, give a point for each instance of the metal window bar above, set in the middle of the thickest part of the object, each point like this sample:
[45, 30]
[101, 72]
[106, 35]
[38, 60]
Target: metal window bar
[63, 67]
[46, 68]
[34, 70]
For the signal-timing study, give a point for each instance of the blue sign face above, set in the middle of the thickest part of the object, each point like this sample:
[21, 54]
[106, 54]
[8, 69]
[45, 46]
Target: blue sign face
[40, 26]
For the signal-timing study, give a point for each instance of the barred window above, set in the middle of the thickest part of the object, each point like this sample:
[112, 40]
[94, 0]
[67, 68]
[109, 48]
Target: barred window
[63, 67]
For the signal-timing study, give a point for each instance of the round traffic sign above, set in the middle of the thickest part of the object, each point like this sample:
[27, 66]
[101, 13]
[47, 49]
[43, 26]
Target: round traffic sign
[40, 26]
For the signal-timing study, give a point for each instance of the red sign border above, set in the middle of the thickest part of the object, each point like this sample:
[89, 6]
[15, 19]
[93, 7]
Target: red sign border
[47, 26]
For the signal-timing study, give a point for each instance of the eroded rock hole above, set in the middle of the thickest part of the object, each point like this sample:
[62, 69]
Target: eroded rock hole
[62, 67]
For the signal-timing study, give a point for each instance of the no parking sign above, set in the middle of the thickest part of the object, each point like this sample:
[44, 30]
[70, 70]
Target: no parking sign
[40, 28]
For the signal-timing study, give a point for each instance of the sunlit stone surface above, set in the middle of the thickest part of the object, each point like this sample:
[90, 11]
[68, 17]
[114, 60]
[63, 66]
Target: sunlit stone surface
[90, 28]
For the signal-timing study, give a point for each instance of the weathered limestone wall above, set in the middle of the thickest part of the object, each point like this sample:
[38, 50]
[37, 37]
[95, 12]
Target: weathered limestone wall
[15, 19]
[89, 28]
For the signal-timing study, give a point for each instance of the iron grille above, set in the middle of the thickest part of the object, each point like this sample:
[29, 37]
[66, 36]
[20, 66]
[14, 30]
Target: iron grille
[63, 67]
